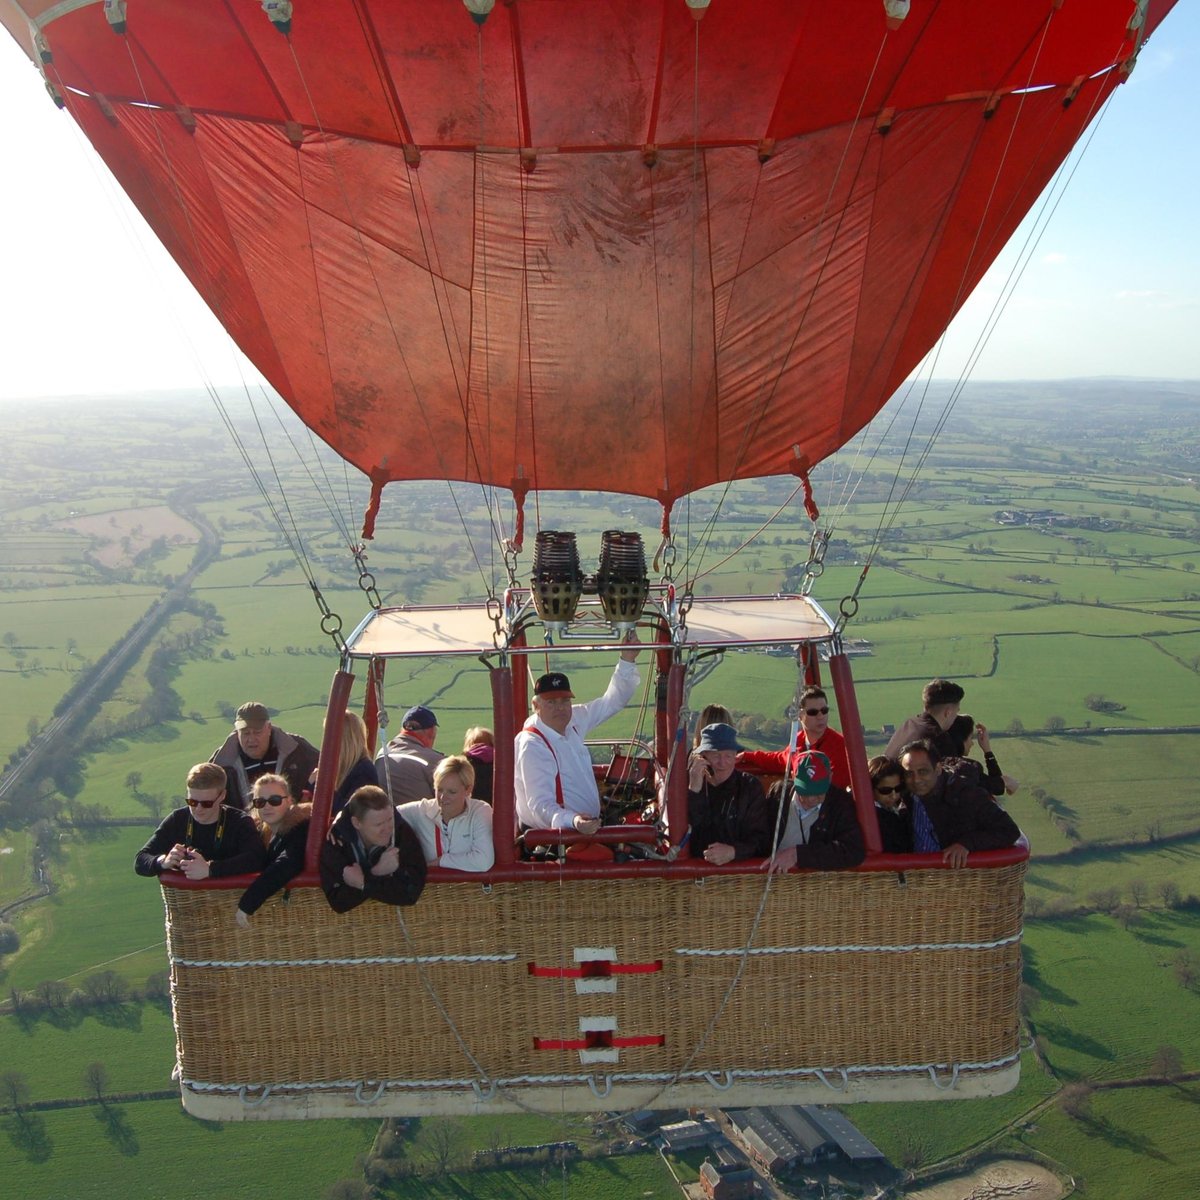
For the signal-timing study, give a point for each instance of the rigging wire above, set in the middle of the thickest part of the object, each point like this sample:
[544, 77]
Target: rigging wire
[750, 427]
[449, 326]
[1050, 201]
[201, 367]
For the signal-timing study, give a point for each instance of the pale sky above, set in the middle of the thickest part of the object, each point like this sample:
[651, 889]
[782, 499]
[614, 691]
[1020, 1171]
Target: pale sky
[89, 303]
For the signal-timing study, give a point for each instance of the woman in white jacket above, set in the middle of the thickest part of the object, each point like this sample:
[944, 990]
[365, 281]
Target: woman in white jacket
[454, 828]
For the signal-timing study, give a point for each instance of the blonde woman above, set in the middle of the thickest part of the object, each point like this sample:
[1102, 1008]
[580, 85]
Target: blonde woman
[454, 828]
[355, 768]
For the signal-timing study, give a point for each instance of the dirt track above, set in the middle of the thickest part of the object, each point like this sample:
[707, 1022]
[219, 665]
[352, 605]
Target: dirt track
[1000, 1180]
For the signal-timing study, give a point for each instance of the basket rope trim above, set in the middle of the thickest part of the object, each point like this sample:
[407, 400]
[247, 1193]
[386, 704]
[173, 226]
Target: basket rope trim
[255, 1094]
[382, 960]
[737, 951]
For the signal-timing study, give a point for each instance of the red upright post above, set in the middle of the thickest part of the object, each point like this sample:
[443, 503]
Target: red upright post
[371, 703]
[676, 756]
[856, 750]
[504, 816]
[331, 741]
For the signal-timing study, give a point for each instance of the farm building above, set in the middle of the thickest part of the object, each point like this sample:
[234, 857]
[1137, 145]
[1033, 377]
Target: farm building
[727, 1181]
[683, 1135]
[785, 1137]
[852, 1145]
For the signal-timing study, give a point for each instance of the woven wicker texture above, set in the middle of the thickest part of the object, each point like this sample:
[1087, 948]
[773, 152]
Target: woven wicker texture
[840, 975]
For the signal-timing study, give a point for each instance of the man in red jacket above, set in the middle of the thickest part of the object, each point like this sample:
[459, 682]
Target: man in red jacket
[814, 734]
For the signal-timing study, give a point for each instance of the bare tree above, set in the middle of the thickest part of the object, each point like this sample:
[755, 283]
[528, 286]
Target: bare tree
[14, 1087]
[1167, 1062]
[443, 1138]
[1138, 891]
[95, 1080]
[1127, 915]
[52, 995]
[1185, 969]
[1075, 1100]
[1168, 893]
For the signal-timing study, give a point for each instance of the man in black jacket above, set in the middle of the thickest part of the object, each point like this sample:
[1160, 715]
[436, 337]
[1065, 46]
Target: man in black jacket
[822, 832]
[371, 854]
[205, 838]
[949, 814]
[942, 698]
[727, 810]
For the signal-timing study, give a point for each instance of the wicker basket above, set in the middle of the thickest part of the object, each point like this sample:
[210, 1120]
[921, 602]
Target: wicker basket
[567, 994]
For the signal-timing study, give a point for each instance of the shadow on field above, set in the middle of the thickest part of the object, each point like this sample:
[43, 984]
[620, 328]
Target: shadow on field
[1122, 1139]
[1072, 1039]
[27, 1132]
[1038, 880]
[1034, 978]
[96, 833]
[159, 733]
[207, 1126]
[1153, 939]
[119, 1016]
[117, 1129]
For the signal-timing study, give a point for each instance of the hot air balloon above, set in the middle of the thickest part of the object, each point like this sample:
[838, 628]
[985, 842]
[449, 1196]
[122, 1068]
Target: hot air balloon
[621, 245]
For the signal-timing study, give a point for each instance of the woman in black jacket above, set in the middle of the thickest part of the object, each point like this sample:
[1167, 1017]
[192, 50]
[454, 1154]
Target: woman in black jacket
[283, 825]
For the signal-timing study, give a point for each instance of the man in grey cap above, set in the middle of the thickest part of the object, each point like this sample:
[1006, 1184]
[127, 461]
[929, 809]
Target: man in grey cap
[405, 765]
[256, 747]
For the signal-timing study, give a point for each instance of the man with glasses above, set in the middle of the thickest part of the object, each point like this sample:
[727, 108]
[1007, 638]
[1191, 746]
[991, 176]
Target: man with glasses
[814, 734]
[553, 783]
[948, 815]
[256, 747]
[206, 838]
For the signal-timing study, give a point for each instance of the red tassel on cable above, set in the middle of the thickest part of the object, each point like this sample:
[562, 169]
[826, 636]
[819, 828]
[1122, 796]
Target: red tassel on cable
[368, 529]
[520, 489]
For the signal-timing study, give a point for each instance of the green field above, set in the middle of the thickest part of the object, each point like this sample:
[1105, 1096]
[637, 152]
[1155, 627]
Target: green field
[1137, 1143]
[1033, 620]
[152, 1149]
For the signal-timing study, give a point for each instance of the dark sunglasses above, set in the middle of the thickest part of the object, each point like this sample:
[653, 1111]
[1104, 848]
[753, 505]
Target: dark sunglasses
[818, 712]
[273, 801]
[200, 803]
[889, 791]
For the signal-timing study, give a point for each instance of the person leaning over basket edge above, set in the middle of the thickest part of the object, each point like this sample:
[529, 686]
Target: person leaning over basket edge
[371, 853]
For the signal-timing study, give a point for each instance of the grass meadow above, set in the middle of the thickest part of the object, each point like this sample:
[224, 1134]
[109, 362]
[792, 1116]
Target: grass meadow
[153, 1149]
[643, 1175]
[1136, 1143]
[1032, 620]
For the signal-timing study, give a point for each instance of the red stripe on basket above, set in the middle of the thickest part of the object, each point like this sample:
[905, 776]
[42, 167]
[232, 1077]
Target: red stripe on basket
[599, 1039]
[596, 969]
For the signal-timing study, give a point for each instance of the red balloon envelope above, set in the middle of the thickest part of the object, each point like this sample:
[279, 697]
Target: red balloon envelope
[612, 244]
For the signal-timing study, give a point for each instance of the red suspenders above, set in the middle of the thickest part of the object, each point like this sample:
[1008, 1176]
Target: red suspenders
[558, 792]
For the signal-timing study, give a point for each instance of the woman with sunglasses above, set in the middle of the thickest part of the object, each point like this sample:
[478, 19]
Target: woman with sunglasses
[205, 837]
[283, 827]
[887, 784]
